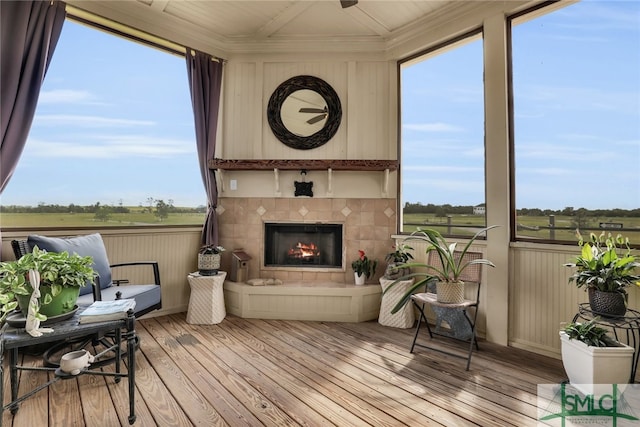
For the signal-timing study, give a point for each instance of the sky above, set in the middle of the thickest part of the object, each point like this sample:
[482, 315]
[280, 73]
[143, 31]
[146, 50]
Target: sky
[576, 79]
[110, 131]
[116, 127]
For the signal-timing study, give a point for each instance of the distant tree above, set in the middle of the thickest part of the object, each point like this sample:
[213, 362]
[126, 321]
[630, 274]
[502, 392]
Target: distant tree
[102, 213]
[150, 202]
[580, 219]
[162, 210]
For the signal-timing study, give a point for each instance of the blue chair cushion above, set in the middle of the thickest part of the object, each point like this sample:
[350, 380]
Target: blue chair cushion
[89, 245]
[145, 295]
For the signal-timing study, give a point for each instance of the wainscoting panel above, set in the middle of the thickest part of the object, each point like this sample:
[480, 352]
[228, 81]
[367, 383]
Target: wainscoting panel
[174, 249]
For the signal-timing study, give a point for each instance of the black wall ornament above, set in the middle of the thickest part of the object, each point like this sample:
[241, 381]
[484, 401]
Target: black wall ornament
[304, 112]
[303, 188]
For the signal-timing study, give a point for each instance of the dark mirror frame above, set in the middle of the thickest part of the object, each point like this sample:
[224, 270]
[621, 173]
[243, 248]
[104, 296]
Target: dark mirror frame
[319, 138]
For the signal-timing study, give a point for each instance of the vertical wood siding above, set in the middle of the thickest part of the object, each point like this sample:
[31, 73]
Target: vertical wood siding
[364, 92]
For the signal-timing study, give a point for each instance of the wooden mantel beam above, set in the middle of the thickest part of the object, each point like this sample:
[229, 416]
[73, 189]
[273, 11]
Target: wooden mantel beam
[308, 164]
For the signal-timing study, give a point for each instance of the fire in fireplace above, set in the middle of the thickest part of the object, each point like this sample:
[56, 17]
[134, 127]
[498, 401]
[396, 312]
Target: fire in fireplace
[303, 245]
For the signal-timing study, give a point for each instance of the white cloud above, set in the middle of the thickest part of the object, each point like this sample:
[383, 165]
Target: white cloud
[110, 147]
[65, 96]
[432, 127]
[442, 169]
[87, 121]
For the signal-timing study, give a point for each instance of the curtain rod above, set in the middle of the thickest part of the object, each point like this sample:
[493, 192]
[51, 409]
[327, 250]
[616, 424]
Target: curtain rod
[109, 26]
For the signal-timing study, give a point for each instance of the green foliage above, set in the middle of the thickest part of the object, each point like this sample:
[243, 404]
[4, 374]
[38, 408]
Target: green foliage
[364, 265]
[452, 263]
[400, 254]
[57, 270]
[601, 267]
[589, 333]
[211, 249]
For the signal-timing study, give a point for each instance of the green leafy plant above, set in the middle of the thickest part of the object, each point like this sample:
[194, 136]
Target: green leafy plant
[589, 333]
[452, 263]
[400, 255]
[600, 266]
[211, 250]
[364, 265]
[57, 270]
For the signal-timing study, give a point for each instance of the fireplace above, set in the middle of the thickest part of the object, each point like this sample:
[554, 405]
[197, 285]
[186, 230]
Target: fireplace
[303, 245]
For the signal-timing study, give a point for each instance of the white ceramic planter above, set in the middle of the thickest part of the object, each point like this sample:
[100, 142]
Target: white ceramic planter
[592, 370]
[359, 278]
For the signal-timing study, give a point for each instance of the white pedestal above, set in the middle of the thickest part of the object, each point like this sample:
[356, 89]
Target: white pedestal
[404, 318]
[206, 303]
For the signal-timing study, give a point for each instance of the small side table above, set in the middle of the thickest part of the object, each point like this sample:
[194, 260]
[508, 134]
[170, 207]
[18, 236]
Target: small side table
[404, 318]
[12, 339]
[206, 303]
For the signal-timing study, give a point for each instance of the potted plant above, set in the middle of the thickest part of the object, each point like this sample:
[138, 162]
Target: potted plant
[394, 261]
[452, 264]
[209, 259]
[592, 358]
[61, 276]
[604, 273]
[363, 268]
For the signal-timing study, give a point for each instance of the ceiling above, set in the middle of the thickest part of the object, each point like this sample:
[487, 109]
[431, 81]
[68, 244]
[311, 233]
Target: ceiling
[225, 27]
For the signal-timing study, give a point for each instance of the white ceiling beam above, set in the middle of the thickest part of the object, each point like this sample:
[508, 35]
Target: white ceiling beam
[159, 5]
[283, 19]
[365, 19]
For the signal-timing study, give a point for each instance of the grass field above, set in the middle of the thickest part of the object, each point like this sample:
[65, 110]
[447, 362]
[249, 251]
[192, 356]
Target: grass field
[535, 227]
[135, 218]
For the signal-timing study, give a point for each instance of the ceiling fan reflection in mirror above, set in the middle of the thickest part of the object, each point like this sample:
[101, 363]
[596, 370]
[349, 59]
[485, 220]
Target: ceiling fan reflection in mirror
[348, 3]
[323, 113]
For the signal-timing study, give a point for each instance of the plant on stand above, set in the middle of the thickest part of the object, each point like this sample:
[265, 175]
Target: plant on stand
[450, 267]
[363, 268]
[395, 260]
[604, 273]
[209, 259]
[592, 359]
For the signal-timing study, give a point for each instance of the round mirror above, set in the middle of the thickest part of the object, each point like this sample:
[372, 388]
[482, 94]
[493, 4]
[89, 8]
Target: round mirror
[304, 112]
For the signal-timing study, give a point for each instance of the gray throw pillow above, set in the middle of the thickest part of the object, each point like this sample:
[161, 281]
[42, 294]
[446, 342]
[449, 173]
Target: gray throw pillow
[88, 245]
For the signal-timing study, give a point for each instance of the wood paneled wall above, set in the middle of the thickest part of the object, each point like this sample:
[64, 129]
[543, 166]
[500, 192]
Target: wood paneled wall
[367, 131]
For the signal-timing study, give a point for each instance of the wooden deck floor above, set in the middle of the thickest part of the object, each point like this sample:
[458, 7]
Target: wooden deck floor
[246, 372]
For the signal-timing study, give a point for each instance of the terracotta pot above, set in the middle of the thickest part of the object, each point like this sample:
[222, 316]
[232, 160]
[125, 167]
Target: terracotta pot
[608, 304]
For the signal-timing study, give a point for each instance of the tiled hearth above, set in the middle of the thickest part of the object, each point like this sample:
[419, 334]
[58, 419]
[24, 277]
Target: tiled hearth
[368, 225]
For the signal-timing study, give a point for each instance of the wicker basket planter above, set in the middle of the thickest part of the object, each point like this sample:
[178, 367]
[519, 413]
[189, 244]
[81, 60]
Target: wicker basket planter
[450, 292]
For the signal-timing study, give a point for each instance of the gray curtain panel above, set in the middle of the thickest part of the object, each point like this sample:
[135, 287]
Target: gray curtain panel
[29, 33]
[205, 82]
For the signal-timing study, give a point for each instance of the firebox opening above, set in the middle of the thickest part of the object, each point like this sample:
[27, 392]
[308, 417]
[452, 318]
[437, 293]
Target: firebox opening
[303, 245]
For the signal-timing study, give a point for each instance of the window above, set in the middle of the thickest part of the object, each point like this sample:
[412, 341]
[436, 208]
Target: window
[442, 139]
[576, 96]
[112, 141]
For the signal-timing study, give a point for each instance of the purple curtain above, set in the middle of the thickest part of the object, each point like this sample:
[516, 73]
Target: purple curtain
[29, 33]
[205, 82]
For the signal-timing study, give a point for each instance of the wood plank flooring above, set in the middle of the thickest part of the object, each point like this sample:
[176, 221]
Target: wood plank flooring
[245, 372]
